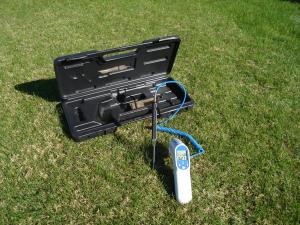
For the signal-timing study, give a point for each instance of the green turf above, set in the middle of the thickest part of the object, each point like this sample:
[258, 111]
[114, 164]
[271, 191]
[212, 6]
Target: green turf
[240, 61]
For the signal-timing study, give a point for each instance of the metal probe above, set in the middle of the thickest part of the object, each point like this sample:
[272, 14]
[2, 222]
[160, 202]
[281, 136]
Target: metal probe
[154, 128]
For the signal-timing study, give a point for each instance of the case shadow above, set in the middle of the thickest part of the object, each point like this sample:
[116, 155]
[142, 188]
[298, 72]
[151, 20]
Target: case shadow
[44, 88]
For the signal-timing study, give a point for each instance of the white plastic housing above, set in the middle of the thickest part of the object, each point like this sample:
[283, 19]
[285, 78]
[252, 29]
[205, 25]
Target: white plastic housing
[181, 170]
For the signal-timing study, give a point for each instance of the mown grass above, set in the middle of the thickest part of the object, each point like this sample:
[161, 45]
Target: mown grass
[240, 62]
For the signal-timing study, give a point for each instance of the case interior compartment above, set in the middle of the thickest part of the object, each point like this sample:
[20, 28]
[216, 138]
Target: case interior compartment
[119, 107]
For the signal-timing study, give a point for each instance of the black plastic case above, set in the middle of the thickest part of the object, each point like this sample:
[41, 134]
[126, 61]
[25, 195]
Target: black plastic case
[101, 90]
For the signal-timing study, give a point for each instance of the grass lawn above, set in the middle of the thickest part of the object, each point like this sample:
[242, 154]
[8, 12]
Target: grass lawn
[240, 61]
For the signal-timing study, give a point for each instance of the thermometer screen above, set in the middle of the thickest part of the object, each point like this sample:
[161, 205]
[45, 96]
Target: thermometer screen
[181, 155]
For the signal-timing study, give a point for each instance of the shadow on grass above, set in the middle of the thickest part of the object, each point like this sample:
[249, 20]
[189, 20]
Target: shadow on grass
[165, 172]
[45, 88]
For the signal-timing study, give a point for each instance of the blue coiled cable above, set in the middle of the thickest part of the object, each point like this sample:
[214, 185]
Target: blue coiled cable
[173, 131]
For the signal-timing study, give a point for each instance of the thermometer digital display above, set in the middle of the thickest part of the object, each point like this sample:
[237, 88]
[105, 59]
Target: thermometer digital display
[182, 158]
[181, 155]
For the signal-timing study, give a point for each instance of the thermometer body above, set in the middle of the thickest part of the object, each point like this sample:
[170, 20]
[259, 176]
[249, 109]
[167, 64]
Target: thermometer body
[181, 170]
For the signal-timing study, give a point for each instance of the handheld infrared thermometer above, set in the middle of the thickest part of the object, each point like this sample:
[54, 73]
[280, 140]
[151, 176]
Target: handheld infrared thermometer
[181, 170]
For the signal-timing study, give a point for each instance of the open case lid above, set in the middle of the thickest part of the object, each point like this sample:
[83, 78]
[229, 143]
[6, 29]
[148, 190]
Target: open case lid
[82, 73]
